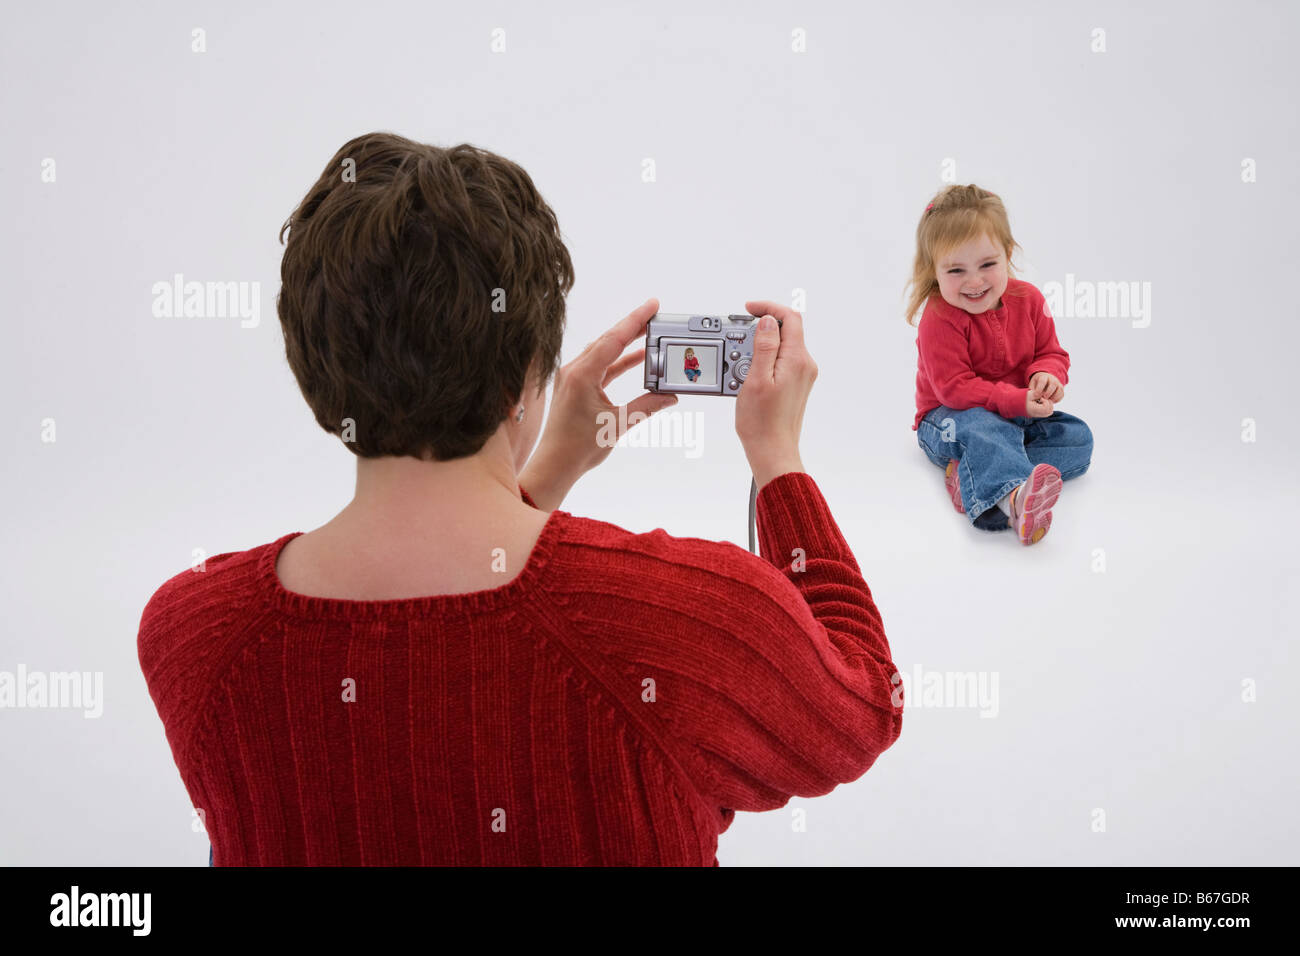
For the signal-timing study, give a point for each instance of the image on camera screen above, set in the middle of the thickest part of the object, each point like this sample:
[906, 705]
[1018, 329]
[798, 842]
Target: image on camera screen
[691, 365]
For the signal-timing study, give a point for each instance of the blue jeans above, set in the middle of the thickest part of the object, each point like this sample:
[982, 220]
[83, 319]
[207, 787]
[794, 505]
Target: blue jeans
[209, 856]
[996, 454]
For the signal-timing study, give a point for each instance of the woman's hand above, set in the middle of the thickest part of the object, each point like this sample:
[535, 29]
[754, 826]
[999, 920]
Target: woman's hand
[584, 424]
[770, 406]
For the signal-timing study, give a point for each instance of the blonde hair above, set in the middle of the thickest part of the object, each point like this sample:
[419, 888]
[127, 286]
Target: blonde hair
[689, 350]
[955, 216]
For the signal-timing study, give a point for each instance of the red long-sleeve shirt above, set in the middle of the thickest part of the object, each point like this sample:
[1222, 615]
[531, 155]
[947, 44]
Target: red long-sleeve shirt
[986, 360]
[615, 703]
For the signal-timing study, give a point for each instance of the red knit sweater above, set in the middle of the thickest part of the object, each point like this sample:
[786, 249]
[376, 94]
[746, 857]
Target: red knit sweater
[986, 360]
[614, 703]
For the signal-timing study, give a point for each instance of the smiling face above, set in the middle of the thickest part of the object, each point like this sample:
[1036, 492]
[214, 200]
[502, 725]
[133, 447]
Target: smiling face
[979, 266]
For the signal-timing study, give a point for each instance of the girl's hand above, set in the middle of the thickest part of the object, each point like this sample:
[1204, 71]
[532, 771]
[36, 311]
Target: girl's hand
[1047, 386]
[1036, 406]
[584, 424]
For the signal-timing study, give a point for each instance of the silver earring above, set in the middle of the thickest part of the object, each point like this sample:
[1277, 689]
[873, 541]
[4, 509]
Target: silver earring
[519, 416]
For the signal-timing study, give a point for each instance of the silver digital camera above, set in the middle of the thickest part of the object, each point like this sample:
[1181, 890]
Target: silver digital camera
[698, 354]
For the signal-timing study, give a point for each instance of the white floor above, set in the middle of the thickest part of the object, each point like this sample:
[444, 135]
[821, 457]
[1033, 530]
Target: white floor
[1120, 734]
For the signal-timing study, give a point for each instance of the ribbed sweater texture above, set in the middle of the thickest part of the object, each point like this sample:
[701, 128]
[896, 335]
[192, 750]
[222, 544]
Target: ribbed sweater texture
[613, 704]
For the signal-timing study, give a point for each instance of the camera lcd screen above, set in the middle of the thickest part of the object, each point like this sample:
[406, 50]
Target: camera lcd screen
[691, 364]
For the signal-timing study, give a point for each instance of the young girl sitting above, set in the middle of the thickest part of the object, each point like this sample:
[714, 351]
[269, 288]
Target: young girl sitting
[989, 371]
[691, 365]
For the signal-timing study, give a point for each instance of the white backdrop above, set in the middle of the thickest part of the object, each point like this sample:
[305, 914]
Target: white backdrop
[1144, 652]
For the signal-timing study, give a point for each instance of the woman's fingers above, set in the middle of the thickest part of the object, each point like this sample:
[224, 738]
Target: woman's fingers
[630, 360]
[641, 408]
[603, 352]
[791, 321]
[792, 356]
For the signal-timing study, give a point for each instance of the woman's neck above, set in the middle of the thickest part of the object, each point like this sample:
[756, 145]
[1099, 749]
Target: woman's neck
[396, 493]
[415, 529]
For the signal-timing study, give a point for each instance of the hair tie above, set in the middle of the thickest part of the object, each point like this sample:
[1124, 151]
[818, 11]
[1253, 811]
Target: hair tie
[929, 207]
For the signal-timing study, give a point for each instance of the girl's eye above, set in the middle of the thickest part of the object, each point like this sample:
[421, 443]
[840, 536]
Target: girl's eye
[953, 272]
[987, 264]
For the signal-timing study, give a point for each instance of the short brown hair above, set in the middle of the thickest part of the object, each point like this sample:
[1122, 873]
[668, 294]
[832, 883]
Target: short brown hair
[419, 286]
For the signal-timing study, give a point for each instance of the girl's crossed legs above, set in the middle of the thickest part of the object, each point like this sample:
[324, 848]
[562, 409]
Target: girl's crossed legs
[996, 454]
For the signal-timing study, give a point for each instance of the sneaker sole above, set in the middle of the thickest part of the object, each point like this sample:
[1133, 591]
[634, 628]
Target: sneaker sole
[1035, 501]
[953, 485]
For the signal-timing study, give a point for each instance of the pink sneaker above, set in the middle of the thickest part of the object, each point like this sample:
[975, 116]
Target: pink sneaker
[1031, 508]
[951, 483]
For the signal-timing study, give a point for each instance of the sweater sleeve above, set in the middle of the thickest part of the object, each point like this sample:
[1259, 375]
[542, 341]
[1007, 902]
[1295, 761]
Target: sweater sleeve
[1048, 354]
[946, 356]
[794, 691]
